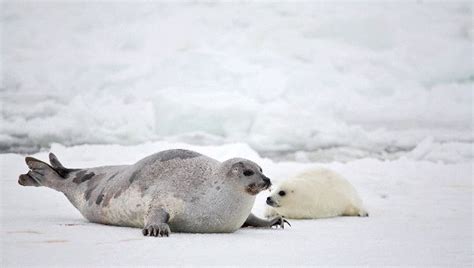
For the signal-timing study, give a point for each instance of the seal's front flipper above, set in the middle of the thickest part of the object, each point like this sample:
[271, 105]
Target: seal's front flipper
[255, 221]
[279, 222]
[156, 223]
[161, 229]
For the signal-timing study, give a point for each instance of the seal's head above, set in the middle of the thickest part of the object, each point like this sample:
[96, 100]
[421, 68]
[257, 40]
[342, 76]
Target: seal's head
[246, 174]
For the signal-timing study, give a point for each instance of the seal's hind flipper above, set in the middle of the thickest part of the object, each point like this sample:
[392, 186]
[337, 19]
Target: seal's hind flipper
[36, 165]
[55, 162]
[58, 167]
[41, 174]
[27, 180]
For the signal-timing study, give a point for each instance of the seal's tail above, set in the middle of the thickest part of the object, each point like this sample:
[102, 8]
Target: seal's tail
[42, 174]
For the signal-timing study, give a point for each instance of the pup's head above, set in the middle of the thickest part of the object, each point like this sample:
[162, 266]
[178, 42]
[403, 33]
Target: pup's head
[283, 195]
[247, 174]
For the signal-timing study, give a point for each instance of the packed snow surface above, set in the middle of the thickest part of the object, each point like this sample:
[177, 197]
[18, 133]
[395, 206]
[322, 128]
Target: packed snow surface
[338, 81]
[420, 214]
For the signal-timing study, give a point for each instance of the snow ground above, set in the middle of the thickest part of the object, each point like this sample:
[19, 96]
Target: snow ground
[352, 84]
[420, 214]
[353, 79]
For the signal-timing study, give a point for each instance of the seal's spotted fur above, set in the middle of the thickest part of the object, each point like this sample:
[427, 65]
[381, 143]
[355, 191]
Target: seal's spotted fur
[177, 190]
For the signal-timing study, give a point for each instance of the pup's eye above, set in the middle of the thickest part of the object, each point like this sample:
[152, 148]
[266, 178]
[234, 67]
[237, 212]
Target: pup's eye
[281, 193]
[248, 173]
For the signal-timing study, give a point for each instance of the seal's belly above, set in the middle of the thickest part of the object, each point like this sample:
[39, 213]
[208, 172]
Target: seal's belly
[127, 210]
[206, 224]
[202, 219]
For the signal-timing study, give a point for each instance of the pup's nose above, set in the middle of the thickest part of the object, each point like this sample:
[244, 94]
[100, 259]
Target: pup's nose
[269, 200]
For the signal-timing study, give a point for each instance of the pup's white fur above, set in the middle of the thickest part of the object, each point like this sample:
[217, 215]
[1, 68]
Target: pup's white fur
[318, 193]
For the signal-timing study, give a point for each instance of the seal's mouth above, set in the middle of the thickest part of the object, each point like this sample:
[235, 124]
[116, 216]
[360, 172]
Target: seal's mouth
[255, 188]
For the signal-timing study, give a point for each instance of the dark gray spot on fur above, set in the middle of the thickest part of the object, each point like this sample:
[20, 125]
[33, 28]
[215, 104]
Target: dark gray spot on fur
[218, 188]
[178, 153]
[194, 199]
[87, 177]
[100, 197]
[134, 176]
[118, 193]
[77, 178]
[113, 176]
[88, 193]
[82, 176]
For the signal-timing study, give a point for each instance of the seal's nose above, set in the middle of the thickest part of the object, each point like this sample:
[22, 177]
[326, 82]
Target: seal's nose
[269, 201]
[267, 181]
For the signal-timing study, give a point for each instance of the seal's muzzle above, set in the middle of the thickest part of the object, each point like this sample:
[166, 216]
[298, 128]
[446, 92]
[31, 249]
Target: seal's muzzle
[254, 188]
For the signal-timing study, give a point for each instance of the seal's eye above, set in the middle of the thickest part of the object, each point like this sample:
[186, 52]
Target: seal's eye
[281, 193]
[248, 173]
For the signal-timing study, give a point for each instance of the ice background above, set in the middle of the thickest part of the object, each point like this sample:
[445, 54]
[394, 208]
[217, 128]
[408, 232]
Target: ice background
[307, 81]
[379, 92]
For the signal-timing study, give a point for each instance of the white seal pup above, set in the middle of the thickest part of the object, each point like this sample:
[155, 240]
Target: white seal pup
[174, 190]
[319, 193]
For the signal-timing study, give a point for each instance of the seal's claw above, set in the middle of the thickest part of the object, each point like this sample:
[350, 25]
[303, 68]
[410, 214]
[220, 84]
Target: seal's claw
[279, 222]
[161, 229]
